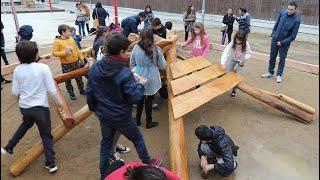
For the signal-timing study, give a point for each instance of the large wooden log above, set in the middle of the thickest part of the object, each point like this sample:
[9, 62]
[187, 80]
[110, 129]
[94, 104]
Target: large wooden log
[276, 103]
[292, 102]
[72, 74]
[177, 143]
[37, 149]
[64, 110]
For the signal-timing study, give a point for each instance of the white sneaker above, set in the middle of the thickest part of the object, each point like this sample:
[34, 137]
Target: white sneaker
[122, 149]
[5, 152]
[266, 75]
[278, 80]
[51, 168]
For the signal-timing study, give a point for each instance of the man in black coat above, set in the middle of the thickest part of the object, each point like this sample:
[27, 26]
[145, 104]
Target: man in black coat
[216, 150]
[3, 53]
[130, 24]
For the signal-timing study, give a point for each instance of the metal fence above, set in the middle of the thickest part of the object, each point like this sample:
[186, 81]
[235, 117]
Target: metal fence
[259, 9]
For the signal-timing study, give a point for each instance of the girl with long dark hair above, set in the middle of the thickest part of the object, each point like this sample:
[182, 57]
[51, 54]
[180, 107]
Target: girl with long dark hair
[149, 16]
[147, 59]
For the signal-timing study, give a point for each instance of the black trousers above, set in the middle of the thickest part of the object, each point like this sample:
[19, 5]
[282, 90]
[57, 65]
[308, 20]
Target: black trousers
[186, 35]
[41, 116]
[147, 101]
[70, 67]
[4, 57]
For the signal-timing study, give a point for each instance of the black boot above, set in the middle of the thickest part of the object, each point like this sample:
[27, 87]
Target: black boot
[151, 124]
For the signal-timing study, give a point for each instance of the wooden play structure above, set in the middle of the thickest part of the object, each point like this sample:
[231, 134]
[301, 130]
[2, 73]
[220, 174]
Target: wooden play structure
[192, 82]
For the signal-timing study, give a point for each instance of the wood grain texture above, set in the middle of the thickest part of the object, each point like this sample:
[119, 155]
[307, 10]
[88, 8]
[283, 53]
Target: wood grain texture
[177, 142]
[182, 68]
[64, 110]
[72, 74]
[187, 102]
[186, 83]
[276, 103]
[291, 101]
[182, 54]
[37, 149]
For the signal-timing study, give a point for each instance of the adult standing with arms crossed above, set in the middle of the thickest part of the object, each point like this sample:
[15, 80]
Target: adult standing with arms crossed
[189, 17]
[284, 32]
[244, 20]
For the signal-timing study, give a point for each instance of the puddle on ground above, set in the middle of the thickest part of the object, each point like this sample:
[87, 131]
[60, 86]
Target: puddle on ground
[282, 165]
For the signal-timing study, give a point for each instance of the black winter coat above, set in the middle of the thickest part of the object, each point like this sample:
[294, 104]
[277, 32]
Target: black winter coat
[228, 20]
[224, 147]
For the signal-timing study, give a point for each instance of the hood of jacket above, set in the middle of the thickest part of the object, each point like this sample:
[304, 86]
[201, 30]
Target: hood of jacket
[218, 133]
[108, 68]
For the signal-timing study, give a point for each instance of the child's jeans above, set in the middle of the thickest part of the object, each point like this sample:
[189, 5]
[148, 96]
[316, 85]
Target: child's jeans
[231, 65]
[70, 67]
[41, 116]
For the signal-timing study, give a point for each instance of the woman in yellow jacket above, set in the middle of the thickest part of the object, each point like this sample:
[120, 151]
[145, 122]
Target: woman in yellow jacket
[67, 50]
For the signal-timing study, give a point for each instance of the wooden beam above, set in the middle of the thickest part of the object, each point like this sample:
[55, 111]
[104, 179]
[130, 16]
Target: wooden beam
[5, 70]
[177, 142]
[37, 149]
[187, 102]
[292, 102]
[185, 67]
[185, 83]
[64, 110]
[276, 103]
[72, 74]
[182, 54]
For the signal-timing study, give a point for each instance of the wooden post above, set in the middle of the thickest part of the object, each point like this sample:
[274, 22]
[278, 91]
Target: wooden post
[64, 110]
[177, 147]
[72, 74]
[292, 102]
[276, 103]
[37, 149]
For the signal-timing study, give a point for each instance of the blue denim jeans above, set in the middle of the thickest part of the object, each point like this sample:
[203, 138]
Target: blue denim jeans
[81, 25]
[231, 65]
[283, 51]
[129, 129]
[41, 116]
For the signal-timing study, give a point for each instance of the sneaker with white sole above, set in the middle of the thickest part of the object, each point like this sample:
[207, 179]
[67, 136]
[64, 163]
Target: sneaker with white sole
[115, 157]
[52, 168]
[266, 75]
[278, 79]
[6, 151]
[122, 149]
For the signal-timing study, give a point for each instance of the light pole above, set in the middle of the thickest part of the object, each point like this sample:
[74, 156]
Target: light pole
[203, 10]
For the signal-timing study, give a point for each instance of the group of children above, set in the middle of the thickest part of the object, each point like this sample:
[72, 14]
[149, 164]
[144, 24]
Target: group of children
[115, 83]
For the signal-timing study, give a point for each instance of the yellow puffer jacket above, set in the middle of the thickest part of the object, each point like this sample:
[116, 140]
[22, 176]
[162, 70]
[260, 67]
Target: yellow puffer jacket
[60, 47]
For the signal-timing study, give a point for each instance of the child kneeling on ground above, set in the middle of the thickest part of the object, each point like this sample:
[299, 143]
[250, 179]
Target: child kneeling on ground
[216, 150]
[236, 53]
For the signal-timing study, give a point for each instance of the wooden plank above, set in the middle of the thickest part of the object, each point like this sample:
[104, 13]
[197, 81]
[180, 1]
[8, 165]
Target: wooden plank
[37, 149]
[177, 142]
[276, 103]
[182, 54]
[185, 83]
[163, 43]
[186, 103]
[182, 68]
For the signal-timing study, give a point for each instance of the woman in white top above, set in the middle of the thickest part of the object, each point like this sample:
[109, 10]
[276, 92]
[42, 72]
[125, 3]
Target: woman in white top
[32, 82]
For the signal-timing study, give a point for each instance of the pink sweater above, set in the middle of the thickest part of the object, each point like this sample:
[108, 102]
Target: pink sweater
[119, 173]
[197, 49]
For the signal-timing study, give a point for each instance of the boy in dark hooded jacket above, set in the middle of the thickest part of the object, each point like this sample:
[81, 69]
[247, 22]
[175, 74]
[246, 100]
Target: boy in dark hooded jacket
[111, 92]
[216, 150]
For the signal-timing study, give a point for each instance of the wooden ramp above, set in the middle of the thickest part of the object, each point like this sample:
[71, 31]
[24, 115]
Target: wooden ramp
[194, 72]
